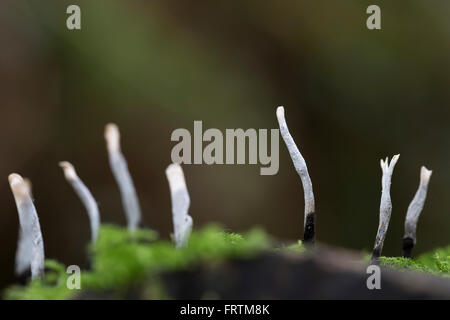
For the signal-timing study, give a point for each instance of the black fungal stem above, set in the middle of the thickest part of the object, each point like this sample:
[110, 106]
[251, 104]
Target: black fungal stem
[407, 246]
[309, 235]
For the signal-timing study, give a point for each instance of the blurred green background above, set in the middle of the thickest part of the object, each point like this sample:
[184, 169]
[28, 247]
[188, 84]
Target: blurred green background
[352, 96]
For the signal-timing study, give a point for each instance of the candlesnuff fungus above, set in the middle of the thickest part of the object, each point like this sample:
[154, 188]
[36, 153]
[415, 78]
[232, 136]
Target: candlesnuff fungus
[302, 170]
[122, 175]
[30, 248]
[385, 205]
[85, 196]
[182, 221]
[414, 210]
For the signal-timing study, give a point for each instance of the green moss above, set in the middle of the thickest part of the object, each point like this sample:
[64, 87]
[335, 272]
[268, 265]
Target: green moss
[403, 263]
[53, 286]
[121, 260]
[296, 247]
[436, 262]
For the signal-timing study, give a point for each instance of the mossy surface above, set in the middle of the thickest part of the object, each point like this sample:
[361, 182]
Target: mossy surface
[121, 260]
[436, 262]
[296, 247]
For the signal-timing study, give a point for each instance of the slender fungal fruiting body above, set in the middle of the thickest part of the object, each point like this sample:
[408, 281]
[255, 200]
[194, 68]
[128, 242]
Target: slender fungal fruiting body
[123, 178]
[302, 170]
[182, 221]
[413, 213]
[385, 205]
[85, 196]
[30, 249]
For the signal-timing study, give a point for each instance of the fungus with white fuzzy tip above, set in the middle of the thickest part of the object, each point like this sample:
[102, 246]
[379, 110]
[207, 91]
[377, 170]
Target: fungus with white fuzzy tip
[30, 250]
[385, 205]
[182, 221]
[302, 170]
[413, 213]
[85, 196]
[123, 178]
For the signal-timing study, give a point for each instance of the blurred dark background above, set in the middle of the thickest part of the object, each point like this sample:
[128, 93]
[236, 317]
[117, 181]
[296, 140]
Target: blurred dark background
[352, 96]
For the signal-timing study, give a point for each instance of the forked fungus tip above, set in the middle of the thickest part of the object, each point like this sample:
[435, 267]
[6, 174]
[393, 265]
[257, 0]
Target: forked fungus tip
[425, 175]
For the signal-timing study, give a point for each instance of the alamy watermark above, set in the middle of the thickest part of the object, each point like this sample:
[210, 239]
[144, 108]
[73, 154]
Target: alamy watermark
[373, 22]
[374, 280]
[74, 280]
[241, 147]
[73, 21]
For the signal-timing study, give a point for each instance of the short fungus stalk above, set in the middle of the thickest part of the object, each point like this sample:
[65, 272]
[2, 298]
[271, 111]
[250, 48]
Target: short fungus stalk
[413, 213]
[85, 196]
[182, 221]
[385, 206]
[302, 170]
[123, 178]
[30, 249]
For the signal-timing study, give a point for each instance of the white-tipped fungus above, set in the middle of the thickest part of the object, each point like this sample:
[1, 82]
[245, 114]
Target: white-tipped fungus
[30, 250]
[123, 178]
[302, 170]
[182, 221]
[385, 204]
[414, 210]
[85, 196]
